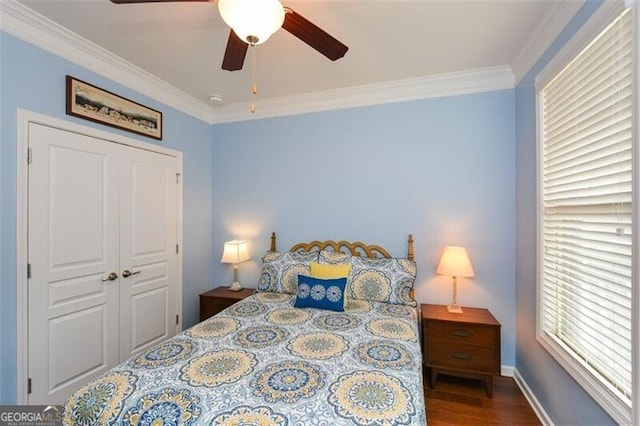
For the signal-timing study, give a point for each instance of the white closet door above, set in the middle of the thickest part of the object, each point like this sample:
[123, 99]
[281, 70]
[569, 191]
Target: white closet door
[148, 237]
[73, 247]
[96, 209]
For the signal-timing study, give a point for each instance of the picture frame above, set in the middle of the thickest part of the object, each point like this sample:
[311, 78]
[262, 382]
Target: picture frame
[92, 103]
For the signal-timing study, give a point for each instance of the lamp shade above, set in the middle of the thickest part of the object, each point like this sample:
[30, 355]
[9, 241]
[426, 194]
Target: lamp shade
[254, 21]
[455, 262]
[235, 252]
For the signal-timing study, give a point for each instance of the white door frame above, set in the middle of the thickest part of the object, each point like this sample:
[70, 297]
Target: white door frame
[24, 119]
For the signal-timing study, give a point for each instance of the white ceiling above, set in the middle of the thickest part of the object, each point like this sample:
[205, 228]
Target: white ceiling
[183, 43]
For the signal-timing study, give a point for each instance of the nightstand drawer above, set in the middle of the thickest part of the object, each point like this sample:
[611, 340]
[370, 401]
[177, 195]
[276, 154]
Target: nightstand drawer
[462, 334]
[463, 357]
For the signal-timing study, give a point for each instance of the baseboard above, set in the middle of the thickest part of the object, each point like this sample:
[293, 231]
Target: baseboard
[533, 401]
[507, 370]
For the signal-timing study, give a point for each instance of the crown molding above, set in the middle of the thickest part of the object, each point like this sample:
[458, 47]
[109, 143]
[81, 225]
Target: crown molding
[31, 27]
[26, 24]
[558, 15]
[441, 85]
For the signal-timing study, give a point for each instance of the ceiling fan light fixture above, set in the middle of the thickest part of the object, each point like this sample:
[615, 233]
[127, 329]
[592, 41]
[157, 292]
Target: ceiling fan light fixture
[254, 21]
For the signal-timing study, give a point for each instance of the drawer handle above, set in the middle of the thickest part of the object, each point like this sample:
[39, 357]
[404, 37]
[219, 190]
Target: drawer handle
[461, 355]
[461, 333]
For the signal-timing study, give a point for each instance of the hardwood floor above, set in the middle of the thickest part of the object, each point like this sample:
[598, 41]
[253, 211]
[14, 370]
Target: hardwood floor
[458, 401]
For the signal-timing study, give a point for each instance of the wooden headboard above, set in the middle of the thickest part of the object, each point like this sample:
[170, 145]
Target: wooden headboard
[355, 249]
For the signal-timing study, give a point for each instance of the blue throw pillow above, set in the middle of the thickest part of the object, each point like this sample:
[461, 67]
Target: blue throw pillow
[320, 293]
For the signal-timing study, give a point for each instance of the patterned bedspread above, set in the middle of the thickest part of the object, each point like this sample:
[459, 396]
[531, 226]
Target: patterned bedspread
[263, 362]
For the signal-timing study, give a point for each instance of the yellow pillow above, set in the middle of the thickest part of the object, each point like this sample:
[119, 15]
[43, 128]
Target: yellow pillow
[320, 270]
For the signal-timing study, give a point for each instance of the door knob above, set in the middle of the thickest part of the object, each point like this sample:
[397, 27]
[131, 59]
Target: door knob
[112, 276]
[127, 273]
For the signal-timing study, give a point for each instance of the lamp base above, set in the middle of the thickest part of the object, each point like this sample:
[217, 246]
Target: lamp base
[454, 309]
[235, 286]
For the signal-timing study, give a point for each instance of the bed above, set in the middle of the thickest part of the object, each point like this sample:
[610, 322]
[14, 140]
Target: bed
[284, 355]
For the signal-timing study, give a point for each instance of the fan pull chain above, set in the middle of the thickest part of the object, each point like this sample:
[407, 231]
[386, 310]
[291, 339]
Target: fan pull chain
[254, 85]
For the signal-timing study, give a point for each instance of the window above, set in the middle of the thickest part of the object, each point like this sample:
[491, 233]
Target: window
[585, 279]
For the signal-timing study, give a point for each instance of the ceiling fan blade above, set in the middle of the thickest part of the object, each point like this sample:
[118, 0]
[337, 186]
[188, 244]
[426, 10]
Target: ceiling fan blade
[235, 53]
[152, 1]
[313, 35]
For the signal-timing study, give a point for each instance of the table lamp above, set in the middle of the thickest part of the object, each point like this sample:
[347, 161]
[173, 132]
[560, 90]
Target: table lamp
[455, 262]
[235, 252]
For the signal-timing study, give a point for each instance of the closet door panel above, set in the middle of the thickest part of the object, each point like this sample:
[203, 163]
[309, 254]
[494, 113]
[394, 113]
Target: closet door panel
[73, 247]
[148, 237]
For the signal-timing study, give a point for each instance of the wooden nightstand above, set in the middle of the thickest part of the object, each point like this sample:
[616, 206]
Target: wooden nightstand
[220, 298]
[466, 345]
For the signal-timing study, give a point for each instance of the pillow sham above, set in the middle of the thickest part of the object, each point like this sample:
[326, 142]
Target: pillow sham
[320, 293]
[383, 280]
[280, 270]
[333, 257]
[376, 280]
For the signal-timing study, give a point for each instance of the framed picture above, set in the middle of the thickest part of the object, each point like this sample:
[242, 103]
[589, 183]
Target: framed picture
[92, 103]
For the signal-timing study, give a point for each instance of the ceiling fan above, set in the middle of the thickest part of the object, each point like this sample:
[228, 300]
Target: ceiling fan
[247, 19]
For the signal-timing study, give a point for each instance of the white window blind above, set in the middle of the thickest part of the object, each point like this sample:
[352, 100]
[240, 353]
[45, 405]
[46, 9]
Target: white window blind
[586, 189]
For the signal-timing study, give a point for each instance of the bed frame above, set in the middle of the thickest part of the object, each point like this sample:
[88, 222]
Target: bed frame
[355, 249]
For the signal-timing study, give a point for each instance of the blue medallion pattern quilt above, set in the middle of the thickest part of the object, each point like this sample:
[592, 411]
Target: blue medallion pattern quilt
[264, 362]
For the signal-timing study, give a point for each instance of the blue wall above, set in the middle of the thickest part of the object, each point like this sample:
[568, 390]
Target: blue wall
[563, 399]
[35, 80]
[442, 169]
